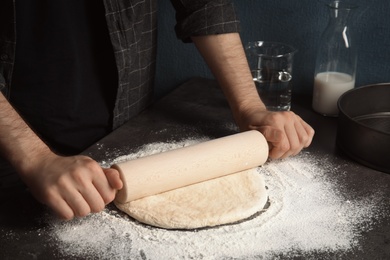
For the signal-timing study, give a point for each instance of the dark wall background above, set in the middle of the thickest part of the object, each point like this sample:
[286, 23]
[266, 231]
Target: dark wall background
[296, 22]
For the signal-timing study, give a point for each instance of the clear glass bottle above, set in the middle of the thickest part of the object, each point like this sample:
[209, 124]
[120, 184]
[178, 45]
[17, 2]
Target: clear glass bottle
[335, 69]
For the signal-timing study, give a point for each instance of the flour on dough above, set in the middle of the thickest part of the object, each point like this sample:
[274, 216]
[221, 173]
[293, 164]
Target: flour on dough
[223, 200]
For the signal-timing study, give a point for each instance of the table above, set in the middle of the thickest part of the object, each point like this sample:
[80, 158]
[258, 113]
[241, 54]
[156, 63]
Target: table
[196, 108]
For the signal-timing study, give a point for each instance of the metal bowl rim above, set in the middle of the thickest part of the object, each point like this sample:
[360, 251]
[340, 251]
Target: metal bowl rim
[349, 117]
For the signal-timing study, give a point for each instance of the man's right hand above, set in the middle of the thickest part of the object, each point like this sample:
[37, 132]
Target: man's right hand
[72, 186]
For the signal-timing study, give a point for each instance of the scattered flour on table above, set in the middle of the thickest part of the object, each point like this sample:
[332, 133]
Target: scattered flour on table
[307, 213]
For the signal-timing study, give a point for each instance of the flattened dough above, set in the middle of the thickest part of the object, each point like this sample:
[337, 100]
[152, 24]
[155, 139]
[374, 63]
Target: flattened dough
[215, 202]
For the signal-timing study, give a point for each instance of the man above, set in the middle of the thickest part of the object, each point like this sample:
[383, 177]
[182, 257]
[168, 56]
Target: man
[74, 70]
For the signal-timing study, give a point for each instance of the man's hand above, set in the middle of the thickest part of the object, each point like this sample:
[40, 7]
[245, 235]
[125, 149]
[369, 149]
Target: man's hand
[287, 134]
[73, 186]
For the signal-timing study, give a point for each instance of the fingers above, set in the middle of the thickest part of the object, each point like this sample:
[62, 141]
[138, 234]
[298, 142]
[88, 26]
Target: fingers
[293, 140]
[93, 200]
[61, 208]
[309, 134]
[78, 204]
[67, 202]
[75, 186]
[286, 133]
[70, 199]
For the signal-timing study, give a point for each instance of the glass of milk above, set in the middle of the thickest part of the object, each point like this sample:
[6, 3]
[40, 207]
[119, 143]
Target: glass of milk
[271, 67]
[328, 87]
[335, 70]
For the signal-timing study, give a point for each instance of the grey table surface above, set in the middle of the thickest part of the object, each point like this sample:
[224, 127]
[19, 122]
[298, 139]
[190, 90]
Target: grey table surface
[196, 108]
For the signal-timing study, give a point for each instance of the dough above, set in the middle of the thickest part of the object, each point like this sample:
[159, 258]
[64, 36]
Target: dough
[223, 200]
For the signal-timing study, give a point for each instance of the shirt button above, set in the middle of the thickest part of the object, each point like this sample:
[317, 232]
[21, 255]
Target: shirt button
[3, 57]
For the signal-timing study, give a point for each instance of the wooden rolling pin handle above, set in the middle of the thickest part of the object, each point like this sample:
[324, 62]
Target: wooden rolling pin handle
[181, 167]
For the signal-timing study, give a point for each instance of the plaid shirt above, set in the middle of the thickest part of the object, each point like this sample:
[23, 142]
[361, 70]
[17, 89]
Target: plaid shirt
[132, 25]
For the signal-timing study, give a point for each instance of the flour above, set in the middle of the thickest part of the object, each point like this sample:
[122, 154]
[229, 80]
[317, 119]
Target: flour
[308, 213]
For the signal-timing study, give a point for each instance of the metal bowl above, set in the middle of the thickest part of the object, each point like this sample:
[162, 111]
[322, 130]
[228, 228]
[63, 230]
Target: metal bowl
[363, 131]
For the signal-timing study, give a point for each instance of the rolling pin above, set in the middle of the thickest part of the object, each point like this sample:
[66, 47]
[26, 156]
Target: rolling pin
[181, 167]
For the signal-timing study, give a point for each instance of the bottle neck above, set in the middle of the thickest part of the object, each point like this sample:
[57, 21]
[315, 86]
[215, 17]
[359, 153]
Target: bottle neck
[339, 17]
[340, 13]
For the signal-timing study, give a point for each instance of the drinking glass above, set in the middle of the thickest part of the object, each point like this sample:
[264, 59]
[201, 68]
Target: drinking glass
[271, 67]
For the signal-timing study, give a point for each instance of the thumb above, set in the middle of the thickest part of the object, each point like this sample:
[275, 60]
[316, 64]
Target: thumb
[272, 135]
[113, 178]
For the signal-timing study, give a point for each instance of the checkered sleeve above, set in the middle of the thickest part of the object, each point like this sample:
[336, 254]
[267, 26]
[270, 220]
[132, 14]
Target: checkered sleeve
[132, 25]
[7, 44]
[2, 82]
[204, 17]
